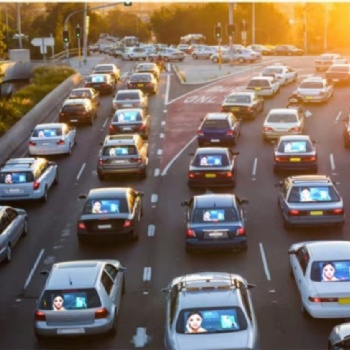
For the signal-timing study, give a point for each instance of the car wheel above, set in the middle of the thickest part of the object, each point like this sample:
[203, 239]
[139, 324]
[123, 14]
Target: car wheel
[8, 256]
[25, 228]
[144, 173]
[69, 150]
[287, 225]
[275, 170]
[135, 235]
[55, 182]
[195, 56]
[304, 311]
[241, 60]
[45, 197]
[291, 274]
[114, 330]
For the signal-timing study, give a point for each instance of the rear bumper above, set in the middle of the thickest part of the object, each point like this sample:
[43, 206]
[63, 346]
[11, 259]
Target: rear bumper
[124, 170]
[212, 182]
[307, 221]
[295, 166]
[237, 243]
[329, 311]
[48, 151]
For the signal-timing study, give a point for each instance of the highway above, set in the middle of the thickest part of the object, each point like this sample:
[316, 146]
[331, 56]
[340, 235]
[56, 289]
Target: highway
[159, 255]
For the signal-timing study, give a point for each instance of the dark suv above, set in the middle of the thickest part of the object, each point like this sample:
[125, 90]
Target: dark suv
[104, 83]
[80, 110]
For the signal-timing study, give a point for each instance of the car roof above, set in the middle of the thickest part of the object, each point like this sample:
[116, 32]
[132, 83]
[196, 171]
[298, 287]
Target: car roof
[211, 150]
[142, 74]
[129, 110]
[283, 110]
[126, 91]
[81, 89]
[223, 200]
[314, 79]
[16, 163]
[76, 101]
[217, 116]
[294, 137]
[262, 78]
[108, 192]
[242, 93]
[126, 139]
[111, 65]
[329, 250]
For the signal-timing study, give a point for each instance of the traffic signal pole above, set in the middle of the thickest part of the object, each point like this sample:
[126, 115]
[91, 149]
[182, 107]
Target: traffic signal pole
[230, 31]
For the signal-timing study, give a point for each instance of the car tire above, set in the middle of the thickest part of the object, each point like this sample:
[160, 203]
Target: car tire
[304, 311]
[45, 197]
[287, 225]
[69, 153]
[143, 173]
[25, 228]
[275, 170]
[114, 330]
[291, 274]
[241, 60]
[8, 254]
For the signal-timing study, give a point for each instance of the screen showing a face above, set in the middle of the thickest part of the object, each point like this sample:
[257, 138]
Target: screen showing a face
[294, 146]
[97, 79]
[103, 206]
[15, 178]
[214, 215]
[308, 194]
[129, 117]
[212, 160]
[330, 271]
[211, 321]
[119, 151]
[47, 132]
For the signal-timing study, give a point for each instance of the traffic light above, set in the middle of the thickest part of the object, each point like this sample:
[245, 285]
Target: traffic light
[231, 29]
[127, 3]
[66, 36]
[218, 32]
[77, 32]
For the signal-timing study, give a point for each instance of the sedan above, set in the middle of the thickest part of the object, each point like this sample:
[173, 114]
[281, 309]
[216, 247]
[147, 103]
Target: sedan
[104, 83]
[315, 90]
[321, 272]
[203, 52]
[245, 105]
[264, 86]
[212, 167]
[143, 81]
[294, 153]
[218, 129]
[283, 74]
[52, 138]
[126, 121]
[130, 99]
[89, 93]
[287, 50]
[215, 221]
[309, 201]
[339, 338]
[113, 212]
[324, 61]
[13, 225]
[283, 121]
[148, 67]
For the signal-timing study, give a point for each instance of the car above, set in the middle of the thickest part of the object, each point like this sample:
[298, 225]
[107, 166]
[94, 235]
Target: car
[13, 225]
[212, 167]
[339, 338]
[219, 128]
[135, 54]
[324, 61]
[52, 138]
[89, 93]
[168, 54]
[287, 50]
[321, 272]
[283, 121]
[265, 51]
[108, 68]
[309, 201]
[123, 154]
[118, 51]
[126, 121]
[186, 48]
[203, 52]
[148, 67]
[243, 104]
[264, 86]
[113, 212]
[246, 55]
[295, 153]
[143, 81]
[104, 83]
[346, 132]
[27, 179]
[79, 110]
[338, 73]
[216, 306]
[315, 90]
[283, 74]
[130, 98]
[80, 298]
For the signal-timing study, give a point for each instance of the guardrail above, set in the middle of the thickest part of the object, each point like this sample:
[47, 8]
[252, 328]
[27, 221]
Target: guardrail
[62, 56]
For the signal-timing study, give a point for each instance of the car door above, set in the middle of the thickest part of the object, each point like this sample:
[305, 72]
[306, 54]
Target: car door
[47, 173]
[290, 74]
[14, 225]
[234, 125]
[116, 290]
[300, 264]
[69, 133]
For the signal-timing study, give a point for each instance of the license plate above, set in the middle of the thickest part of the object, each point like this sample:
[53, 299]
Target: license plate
[216, 234]
[46, 144]
[214, 140]
[127, 105]
[294, 159]
[344, 300]
[235, 109]
[257, 89]
[127, 128]
[336, 80]
[210, 176]
[14, 190]
[104, 227]
[74, 120]
[140, 85]
[119, 161]
[71, 331]
[315, 213]
[309, 97]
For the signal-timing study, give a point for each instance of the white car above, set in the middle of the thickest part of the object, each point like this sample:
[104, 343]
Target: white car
[322, 273]
[315, 89]
[264, 86]
[204, 52]
[168, 54]
[52, 138]
[283, 74]
[324, 61]
[135, 54]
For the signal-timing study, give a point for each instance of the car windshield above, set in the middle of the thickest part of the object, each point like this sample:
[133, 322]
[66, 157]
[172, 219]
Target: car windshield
[75, 299]
[127, 117]
[80, 94]
[215, 124]
[211, 160]
[14, 177]
[215, 215]
[304, 194]
[106, 206]
[119, 151]
[311, 85]
[297, 146]
[330, 271]
[47, 132]
[273, 71]
[238, 99]
[282, 118]
[211, 320]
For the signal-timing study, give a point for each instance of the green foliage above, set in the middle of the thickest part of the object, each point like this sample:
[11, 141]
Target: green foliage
[45, 79]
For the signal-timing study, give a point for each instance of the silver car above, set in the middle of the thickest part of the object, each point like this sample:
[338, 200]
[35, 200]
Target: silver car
[52, 138]
[315, 89]
[264, 86]
[203, 52]
[210, 310]
[339, 339]
[13, 225]
[80, 298]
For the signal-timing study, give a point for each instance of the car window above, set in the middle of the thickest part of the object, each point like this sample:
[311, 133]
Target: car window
[142, 78]
[215, 215]
[127, 116]
[321, 193]
[282, 118]
[4, 222]
[211, 320]
[80, 94]
[330, 271]
[12, 177]
[111, 270]
[215, 124]
[75, 299]
[47, 132]
[119, 151]
[128, 96]
[238, 99]
[11, 214]
[212, 160]
[107, 282]
[74, 108]
[108, 206]
[245, 299]
[299, 146]
[303, 259]
[260, 82]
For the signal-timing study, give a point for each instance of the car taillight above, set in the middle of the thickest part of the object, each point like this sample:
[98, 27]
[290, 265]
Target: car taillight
[101, 313]
[323, 300]
[231, 132]
[190, 233]
[60, 142]
[40, 316]
[31, 143]
[280, 159]
[136, 160]
[191, 175]
[322, 93]
[248, 109]
[222, 109]
[102, 161]
[338, 211]
[81, 226]
[228, 173]
[88, 85]
[127, 223]
[267, 128]
[111, 128]
[36, 185]
[294, 212]
[200, 133]
[61, 114]
[241, 231]
[142, 127]
[295, 129]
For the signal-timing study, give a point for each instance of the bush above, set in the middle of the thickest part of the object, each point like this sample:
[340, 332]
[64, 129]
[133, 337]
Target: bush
[45, 79]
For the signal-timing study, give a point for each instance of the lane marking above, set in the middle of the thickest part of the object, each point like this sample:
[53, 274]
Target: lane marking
[33, 268]
[151, 231]
[147, 274]
[156, 172]
[140, 339]
[263, 257]
[331, 159]
[154, 198]
[177, 156]
[161, 135]
[338, 116]
[163, 123]
[159, 152]
[167, 92]
[104, 124]
[81, 171]
[255, 164]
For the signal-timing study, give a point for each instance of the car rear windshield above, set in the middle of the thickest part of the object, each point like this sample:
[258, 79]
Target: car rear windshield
[215, 124]
[311, 85]
[215, 215]
[282, 118]
[128, 96]
[103, 69]
[260, 82]
[138, 77]
[106, 206]
[341, 69]
[238, 99]
[118, 151]
[80, 94]
[127, 117]
[71, 299]
[330, 271]
[47, 132]
[97, 79]
[273, 71]
[75, 107]
[16, 177]
[294, 146]
[211, 160]
[302, 194]
[211, 320]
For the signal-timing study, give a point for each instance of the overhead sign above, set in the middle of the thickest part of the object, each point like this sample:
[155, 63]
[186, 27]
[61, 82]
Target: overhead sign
[43, 41]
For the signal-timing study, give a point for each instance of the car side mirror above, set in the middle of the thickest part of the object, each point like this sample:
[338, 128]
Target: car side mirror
[278, 184]
[44, 272]
[122, 269]
[82, 196]
[251, 286]
[185, 204]
[165, 290]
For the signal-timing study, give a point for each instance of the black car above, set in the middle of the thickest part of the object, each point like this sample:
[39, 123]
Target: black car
[295, 153]
[215, 221]
[143, 81]
[80, 110]
[338, 73]
[245, 105]
[104, 83]
[212, 167]
[148, 67]
[113, 212]
[107, 68]
[126, 121]
[287, 50]
[130, 99]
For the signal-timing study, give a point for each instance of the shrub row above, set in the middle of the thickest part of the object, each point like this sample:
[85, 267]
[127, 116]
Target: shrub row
[45, 79]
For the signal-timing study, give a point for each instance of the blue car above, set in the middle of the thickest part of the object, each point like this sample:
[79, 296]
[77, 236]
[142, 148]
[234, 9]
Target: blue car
[220, 128]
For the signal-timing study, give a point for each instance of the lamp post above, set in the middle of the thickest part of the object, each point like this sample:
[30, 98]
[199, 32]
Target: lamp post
[325, 38]
[19, 25]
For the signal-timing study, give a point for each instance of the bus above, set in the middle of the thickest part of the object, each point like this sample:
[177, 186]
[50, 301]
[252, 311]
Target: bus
[130, 41]
[191, 39]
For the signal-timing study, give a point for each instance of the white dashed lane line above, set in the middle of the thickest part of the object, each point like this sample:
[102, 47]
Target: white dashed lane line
[255, 165]
[33, 269]
[263, 257]
[81, 171]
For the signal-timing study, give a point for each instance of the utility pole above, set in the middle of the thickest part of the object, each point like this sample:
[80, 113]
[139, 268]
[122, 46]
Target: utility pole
[253, 22]
[19, 25]
[231, 30]
[85, 33]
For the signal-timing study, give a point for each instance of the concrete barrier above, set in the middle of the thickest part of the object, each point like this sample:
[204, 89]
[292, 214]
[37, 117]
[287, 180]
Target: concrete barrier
[21, 131]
